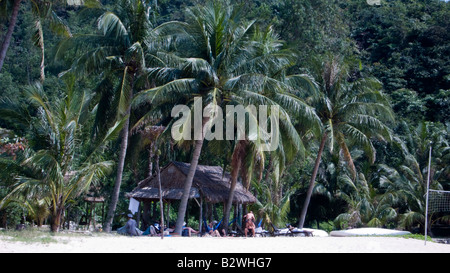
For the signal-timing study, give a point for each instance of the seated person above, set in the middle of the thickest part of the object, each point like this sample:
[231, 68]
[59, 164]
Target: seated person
[291, 228]
[187, 231]
[212, 232]
[150, 231]
[298, 230]
[131, 226]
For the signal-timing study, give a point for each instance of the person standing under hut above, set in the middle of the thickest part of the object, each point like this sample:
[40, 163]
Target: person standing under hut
[249, 223]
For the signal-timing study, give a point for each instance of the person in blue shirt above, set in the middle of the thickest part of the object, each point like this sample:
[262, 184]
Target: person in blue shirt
[131, 226]
[187, 231]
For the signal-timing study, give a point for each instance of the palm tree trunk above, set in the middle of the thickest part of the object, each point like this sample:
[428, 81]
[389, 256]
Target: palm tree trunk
[236, 163]
[38, 24]
[229, 204]
[56, 219]
[187, 186]
[12, 24]
[150, 162]
[42, 65]
[122, 155]
[312, 182]
[189, 178]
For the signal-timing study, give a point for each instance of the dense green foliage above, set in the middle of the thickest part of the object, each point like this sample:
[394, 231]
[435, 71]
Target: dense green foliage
[376, 78]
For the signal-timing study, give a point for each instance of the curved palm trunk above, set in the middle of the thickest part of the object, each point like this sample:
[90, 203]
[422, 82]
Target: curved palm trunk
[187, 186]
[122, 155]
[312, 181]
[12, 24]
[189, 178]
[229, 204]
[236, 164]
[42, 47]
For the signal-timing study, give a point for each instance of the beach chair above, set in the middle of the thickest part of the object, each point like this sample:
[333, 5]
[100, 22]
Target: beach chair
[260, 231]
[294, 232]
[299, 232]
[279, 232]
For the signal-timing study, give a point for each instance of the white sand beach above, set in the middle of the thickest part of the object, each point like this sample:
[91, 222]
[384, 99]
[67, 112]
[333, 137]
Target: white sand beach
[124, 244]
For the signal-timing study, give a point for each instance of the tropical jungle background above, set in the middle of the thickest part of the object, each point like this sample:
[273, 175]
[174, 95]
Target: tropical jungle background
[363, 90]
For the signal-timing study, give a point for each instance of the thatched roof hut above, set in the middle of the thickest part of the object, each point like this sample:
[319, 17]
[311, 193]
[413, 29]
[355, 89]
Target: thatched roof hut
[210, 183]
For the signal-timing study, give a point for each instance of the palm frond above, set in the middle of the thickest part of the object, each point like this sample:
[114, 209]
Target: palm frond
[58, 26]
[110, 25]
[360, 139]
[112, 134]
[166, 92]
[85, 177]
[125, 94]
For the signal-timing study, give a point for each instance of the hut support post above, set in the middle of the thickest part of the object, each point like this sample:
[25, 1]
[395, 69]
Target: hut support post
[200, 219]
[103, 213]
[90, 217]
[158, 173]
[235, 217]
[138, 216]
[168, 212]
[93, 212]
[146, 213]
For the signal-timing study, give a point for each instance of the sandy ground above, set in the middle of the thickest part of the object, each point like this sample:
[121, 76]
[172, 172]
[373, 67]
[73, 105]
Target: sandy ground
[123, 244]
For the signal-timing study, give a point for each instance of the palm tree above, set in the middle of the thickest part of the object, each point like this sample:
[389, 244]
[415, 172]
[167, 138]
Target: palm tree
[274, 196]
[366, 206]
[221, 60]
[407, 181]
[206, 60]
[352, 111]
[43, 13]
[272, 87]
[9, 32]
[120, 52]
[60, 171]
[39, 210]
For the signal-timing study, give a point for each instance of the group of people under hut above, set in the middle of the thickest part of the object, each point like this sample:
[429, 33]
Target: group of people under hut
[211, 229]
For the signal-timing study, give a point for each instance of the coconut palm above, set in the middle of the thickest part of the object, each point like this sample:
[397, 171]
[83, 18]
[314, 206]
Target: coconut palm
[43, 13]
[352, 111]
[272, 87]
[407, 182]
[60, 171]
[39, 210]
[209, 54]
[273, 207]
[11, 26]
[118, 49]
[221, 60]
[366, 206]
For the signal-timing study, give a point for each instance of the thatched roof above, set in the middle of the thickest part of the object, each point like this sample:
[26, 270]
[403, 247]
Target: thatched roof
[210, 182]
